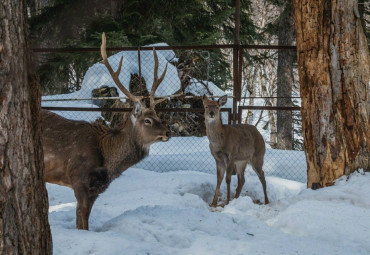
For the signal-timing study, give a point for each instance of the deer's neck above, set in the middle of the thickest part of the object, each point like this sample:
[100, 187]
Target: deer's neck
[215, 132]
[122, 149]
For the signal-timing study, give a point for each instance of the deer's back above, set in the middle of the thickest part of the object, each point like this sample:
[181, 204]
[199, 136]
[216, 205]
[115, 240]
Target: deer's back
[241, 141]
[70, 148]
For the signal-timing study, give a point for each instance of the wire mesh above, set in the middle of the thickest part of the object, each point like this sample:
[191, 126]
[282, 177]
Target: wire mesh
[284, 155]
[85, 83]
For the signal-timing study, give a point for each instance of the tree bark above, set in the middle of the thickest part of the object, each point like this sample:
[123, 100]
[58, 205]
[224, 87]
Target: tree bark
[24, 227]
[270, 113]
[251, 83]
[116, 6]
[35, 7]
[333, 60]
[284, 121]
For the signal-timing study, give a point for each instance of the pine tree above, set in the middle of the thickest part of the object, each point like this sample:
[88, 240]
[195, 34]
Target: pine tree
[136, 23]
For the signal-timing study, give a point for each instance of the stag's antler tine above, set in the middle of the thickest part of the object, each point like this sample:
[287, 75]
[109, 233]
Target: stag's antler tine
[159, 101]
[156, 81]
[119, 67]
[165, 98]
[163, 74]
[115, 75]
[103, 47]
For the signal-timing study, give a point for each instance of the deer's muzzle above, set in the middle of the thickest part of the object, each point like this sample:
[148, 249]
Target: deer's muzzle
[165, 138]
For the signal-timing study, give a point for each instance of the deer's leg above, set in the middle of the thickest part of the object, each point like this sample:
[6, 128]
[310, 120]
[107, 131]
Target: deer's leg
[228, 181]
[87, 192]
[257, 167]
[220, 176]
[263, 181]
[83, 208]
[88, 212]
[229, 171]
[78, 217]
[240, 169]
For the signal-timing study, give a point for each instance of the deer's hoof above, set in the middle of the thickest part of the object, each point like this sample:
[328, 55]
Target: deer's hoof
[213, 205]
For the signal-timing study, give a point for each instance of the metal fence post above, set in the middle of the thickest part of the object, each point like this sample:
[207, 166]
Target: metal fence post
[236, 59]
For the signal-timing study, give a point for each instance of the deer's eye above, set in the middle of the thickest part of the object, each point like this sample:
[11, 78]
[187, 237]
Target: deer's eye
[148, 122]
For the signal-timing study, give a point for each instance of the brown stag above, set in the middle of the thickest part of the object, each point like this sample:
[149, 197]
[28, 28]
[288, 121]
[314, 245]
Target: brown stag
[87, 157]
[233, 146]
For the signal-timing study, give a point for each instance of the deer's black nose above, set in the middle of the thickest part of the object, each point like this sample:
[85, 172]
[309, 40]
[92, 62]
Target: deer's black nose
[212, 114]
[168, 134]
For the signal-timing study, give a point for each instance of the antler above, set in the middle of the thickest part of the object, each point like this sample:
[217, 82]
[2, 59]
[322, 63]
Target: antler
[156, 82]
[115, 74]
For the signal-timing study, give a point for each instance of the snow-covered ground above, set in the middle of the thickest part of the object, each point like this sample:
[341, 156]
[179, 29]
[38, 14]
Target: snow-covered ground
[160, 206]
[192, 153]
[147, 212]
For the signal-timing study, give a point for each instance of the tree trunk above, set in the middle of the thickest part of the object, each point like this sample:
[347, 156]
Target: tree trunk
[285, 80]
[270, 113]
[251, 83]
[35, 7]
[116, 6]
[333, 60]
[24, 227]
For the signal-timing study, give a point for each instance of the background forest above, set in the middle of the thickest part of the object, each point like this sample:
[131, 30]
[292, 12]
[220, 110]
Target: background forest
[269, 76]
[161, 205]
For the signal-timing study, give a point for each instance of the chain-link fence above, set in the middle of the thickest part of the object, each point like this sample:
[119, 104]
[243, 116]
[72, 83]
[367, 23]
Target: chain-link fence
[76, 86]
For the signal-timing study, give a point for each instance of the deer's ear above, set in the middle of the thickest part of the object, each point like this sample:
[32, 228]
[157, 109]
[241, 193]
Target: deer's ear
[205, 98]
[138, 107]
[222, 100]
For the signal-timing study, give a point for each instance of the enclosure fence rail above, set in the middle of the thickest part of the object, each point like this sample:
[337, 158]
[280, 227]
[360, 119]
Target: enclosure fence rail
[194, 152]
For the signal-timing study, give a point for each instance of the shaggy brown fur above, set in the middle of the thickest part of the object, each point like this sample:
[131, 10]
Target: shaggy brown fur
[88, 157]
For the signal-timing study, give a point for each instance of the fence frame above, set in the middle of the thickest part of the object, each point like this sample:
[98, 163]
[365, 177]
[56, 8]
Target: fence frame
[238, 50]
[82, 109]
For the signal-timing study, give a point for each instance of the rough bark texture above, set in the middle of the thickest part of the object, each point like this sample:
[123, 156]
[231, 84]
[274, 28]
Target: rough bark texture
[271, 116]
[24, 227]
[284, 121]
[252, 93]
[116, 6]
[334, 78]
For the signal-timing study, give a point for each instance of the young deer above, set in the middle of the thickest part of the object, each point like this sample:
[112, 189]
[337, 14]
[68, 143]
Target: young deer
[233, 146]
[88, 157]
